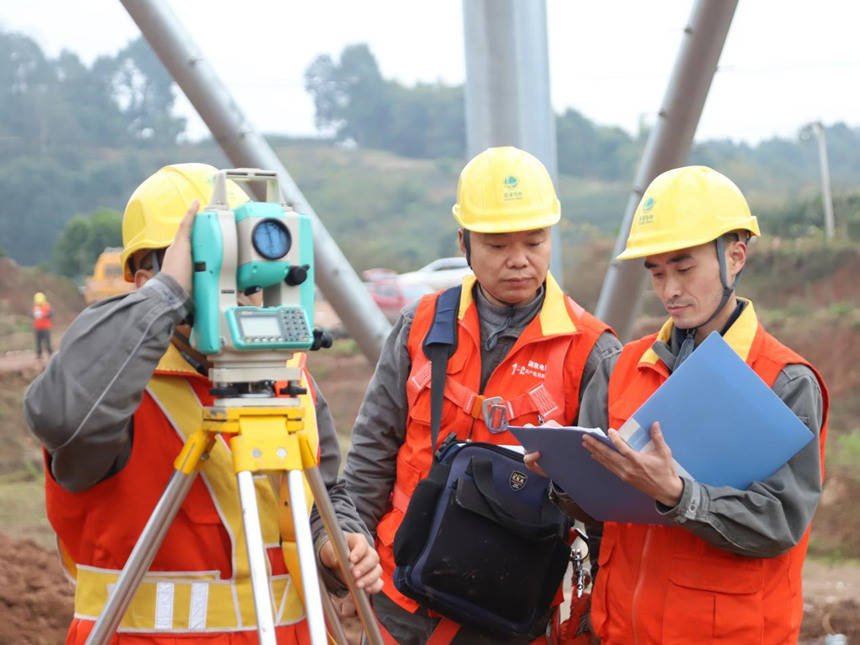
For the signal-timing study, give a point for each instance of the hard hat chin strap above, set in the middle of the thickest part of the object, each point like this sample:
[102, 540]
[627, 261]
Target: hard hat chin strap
[156, 265]
[688, 344]
[728, 289]
[156, 259]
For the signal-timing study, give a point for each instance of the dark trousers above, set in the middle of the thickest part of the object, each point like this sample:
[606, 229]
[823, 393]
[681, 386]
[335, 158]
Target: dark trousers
[43, 336]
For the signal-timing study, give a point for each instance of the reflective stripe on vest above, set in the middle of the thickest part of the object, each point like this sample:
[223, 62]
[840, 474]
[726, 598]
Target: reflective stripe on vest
[185, 601]
[166, 600]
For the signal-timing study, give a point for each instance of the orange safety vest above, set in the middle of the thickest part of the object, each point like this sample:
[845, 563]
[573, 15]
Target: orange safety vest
[42, 316]
[198, 586]
[538, 379]
[660, 584]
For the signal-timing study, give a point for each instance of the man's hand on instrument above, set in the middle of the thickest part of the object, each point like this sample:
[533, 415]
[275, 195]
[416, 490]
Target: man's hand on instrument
[363, 559]
[651, 472]
[177, 258]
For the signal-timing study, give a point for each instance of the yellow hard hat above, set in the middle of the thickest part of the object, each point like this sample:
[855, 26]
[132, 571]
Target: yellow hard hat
[156, 207]
[687, 207]
[39, 298]
[503, 190]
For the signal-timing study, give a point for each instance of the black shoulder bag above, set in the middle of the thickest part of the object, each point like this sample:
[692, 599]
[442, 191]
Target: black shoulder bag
[480, 542]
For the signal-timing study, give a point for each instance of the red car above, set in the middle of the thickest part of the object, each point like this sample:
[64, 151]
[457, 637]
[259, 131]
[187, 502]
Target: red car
[389, 294]
[392, 291]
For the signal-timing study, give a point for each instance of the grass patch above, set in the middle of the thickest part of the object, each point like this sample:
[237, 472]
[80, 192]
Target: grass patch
[22, 511]
[841, 309]
[845, 453]
[343, 347]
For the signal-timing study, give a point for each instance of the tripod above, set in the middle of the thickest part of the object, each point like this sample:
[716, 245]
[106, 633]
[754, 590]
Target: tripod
[268, 434]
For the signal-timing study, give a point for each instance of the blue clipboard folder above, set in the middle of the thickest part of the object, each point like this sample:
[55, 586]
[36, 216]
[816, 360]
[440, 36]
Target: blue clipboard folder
[725, 427]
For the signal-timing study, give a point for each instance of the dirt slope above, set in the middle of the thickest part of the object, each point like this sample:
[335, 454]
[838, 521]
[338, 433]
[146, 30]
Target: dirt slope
[35, 597]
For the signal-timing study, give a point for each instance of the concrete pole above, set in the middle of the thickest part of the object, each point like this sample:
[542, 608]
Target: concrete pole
[245, 147]
[668, 147]
[826, 196]
[507, 84]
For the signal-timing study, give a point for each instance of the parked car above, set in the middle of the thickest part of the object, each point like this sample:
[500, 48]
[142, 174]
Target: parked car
[106, 280]
[392, 291]
[439, 274]
[390, 294]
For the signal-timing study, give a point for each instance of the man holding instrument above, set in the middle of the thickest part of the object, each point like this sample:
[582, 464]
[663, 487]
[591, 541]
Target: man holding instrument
[113, 409]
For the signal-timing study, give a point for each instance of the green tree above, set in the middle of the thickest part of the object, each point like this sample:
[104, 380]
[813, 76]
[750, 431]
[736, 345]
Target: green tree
[350, 96]
[26, 78]
[84, 238]
[354, 102]
[37, 192]
[70, 252]
[427, 121]
[87, 94]
[60, 106]
[144, 91]
[589, 150]
[105, 231]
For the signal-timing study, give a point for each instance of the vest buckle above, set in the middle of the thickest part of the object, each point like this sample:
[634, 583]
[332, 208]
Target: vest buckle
[495, 414]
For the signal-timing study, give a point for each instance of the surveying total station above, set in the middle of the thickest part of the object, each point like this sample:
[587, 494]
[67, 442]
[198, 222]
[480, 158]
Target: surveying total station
[259, 402]
[257, 246]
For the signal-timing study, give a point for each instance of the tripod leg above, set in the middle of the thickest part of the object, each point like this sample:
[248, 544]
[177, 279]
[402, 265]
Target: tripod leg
[334, 622]
[256, 558]
[307, 558]
[326, 510]
[141, 557]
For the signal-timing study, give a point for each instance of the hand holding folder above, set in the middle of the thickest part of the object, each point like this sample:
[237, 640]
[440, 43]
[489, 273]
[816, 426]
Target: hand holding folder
[724, 425]
[594, 488]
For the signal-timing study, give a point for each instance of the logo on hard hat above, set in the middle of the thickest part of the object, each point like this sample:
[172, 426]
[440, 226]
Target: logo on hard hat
[645, 217]
[518, 480]
[510, 183]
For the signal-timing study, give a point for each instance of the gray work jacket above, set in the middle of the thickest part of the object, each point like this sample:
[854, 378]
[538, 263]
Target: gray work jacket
[380, 427]
[81, 407]
[771, 516]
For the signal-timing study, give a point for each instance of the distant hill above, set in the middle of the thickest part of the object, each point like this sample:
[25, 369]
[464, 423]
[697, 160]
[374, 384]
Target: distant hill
[383, 210]
[75, 138]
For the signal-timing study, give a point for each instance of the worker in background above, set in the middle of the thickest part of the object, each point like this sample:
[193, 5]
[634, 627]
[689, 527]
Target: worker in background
[518, 338]
[112, 410]
[729, 569]
[42, 322]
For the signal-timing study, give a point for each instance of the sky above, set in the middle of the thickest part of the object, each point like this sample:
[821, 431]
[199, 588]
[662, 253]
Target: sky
[785, 62]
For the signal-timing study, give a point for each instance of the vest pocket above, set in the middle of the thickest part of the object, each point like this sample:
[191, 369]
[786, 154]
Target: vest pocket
[714, 600]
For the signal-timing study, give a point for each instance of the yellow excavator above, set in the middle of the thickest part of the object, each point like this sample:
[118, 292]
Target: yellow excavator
[106, 280]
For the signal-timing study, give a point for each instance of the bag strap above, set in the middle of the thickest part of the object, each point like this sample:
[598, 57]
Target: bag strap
[445, 631]
[439, 345]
